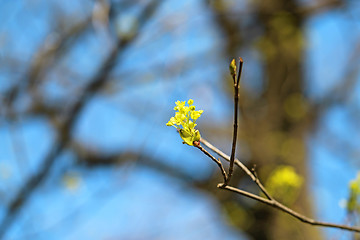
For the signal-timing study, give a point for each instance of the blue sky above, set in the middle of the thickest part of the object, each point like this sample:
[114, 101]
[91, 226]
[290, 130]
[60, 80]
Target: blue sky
[132, 201]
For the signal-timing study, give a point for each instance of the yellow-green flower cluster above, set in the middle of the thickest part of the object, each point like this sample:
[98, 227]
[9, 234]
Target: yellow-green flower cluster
[353, 203]
[185, 121]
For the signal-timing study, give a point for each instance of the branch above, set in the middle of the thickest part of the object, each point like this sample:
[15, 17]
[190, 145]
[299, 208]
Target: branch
[275, 204]
[240, 165]
[269, 200]
[18, 202]
[236, 103]
[66, 127]
[217, 161]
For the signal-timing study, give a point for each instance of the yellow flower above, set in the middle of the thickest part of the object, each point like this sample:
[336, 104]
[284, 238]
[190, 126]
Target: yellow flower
[184, 120]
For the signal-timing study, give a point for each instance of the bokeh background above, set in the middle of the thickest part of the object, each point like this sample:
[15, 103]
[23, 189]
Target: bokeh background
[86, 88]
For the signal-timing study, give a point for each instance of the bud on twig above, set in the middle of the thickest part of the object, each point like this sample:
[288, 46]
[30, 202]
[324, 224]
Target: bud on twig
[232, 68]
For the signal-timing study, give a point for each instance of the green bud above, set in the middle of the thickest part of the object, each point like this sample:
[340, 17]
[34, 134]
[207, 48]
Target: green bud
[186, 137]
[197, 136]
[232, 68]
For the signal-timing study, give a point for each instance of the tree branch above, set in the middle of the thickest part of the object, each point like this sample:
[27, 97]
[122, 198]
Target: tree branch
[65, 128]
[270, 201]
[276, 204]
[217, 161]
[236, 107]
[240, 165]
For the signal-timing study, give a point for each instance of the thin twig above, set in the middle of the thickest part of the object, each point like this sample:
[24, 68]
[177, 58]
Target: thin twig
[270, 201]
[217, 161]
[239, 164]
[276, 204]
[236, 103]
